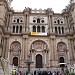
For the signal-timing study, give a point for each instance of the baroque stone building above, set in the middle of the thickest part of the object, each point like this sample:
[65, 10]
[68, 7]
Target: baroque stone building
[47, 38]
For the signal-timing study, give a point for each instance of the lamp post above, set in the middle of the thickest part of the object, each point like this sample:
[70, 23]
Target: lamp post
[29, 62]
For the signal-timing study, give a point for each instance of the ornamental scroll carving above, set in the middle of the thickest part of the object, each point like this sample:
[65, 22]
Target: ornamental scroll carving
[15, 46]
[39, 45]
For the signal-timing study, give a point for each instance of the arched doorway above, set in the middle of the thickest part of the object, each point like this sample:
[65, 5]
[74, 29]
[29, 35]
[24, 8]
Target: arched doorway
[15, 61]
[39, 61]
[61, 61]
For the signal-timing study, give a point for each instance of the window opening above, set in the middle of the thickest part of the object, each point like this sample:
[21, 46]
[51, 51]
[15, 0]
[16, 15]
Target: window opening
[58, 21]
[20, 29]
[13, 29]
[38, 20]
[34, 28]
[17, 29]
[17, 20]
[38, 28]
[56, 30]
[43, 29]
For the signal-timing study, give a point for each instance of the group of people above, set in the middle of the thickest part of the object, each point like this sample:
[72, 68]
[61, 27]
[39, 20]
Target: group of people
[37, 72]
[47, 73]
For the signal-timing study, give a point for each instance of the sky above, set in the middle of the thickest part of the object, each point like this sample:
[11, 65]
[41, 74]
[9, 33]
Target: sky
[56, 5]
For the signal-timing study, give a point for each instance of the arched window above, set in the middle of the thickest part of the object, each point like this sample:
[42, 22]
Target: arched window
[58, 21]
[73, 28]
[20, 29]
[59, 30]
[17, 29]
[34, 28]
[15, 61]
[56, 30]
[62, 30]
[38, 28]
[38, 20]
[13, 29]
[43, 29]
[17, 20]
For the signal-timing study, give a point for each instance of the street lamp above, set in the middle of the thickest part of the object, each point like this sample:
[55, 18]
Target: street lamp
[29, 62]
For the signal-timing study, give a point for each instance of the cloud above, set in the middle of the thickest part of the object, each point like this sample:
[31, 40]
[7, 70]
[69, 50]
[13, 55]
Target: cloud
[56, 5]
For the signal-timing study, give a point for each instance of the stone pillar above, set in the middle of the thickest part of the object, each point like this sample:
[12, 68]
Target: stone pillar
[7, 47]
[55, 53]
[24, 50]
[25, 47]
[4, 47]
[52, 52]
[27, 25]
[65, 20]
[70, 50]
[25, 21]
[50, 23]
[45, 57]
[74, 48]
[55, 50]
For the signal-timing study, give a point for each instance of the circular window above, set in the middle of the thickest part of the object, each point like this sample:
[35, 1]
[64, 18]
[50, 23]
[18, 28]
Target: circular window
[34, 21]
[21, 21]
[42, 21]
[14, 20]
[54, 21]
[62, 22]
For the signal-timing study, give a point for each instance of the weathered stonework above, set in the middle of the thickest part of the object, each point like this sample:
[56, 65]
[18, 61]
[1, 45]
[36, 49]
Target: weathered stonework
[44, 36]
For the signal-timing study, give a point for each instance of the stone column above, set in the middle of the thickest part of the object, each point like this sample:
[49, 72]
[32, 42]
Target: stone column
[65, 20]
[45, 57]
[25, 47]
[55, 53]
[4, 47]
[7, 46]
[24, 50]
[55, 50]
[25, 21]
[70, 50]
[50, 23]
[27, 25]
[52, 52]
[74, 48]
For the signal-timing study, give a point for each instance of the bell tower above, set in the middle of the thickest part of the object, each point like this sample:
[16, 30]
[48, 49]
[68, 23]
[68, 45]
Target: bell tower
[9, 2]
[4, 6]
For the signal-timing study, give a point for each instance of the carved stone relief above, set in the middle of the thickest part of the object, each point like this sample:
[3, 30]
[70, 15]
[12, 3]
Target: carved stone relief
[39, 45]
[15, 46]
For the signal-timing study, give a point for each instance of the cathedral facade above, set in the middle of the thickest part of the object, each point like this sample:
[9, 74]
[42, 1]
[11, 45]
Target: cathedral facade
[42, 36]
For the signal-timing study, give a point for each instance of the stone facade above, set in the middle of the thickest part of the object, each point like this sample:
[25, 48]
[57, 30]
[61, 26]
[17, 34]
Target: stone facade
[47, 38]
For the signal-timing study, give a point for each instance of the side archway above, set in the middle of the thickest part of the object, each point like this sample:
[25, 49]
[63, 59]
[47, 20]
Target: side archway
[15, 61]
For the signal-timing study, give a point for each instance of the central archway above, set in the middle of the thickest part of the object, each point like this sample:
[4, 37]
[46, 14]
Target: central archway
[39, 61]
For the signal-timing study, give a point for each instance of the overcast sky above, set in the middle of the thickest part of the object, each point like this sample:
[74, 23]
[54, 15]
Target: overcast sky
[56, 5]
